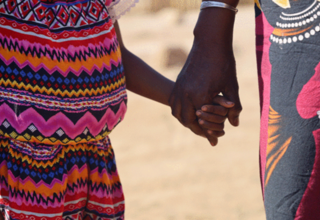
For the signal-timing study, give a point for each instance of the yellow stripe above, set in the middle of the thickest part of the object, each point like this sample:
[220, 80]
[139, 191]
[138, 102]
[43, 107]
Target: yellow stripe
[63, 65]
[73, 93]
[257, 4]
[59, 157]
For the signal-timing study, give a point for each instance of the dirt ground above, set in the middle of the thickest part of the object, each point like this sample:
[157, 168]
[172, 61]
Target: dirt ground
[167, 172]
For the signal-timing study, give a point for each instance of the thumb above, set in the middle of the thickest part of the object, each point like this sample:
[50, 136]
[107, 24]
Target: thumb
[223, 101]
[234, 112]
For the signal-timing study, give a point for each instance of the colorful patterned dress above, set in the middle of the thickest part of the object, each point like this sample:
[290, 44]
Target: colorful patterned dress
[62, 91]
[288, 55]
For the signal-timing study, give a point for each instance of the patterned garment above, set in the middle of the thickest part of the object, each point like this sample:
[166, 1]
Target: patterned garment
[288, 55]
[59, 181]
[62, 91]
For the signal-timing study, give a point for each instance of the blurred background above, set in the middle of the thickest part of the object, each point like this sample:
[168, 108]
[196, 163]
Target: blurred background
[168, 173]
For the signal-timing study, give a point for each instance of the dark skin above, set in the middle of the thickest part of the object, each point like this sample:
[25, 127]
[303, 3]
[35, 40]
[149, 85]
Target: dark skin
[145, 81]
[141, 78]
[209, 70]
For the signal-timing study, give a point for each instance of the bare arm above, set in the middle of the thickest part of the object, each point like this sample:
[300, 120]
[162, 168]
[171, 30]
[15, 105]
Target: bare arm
[141, 78]
[209, 70]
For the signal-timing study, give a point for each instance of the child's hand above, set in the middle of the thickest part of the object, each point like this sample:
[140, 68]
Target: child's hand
[212, 118]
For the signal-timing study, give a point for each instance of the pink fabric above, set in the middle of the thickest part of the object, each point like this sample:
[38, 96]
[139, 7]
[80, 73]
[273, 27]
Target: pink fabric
[263, 31]
[308, 105]
[309, 205]
[61, 121]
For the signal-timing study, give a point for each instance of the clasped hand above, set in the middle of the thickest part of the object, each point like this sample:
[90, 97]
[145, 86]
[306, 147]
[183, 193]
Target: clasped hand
[206, 93]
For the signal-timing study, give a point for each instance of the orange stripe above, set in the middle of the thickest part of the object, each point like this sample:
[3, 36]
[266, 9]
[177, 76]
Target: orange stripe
[273, 142]
[89, 64]
[289, 32]
[280, 153]
[274, 118]
[69, 149]
[44, 190]
[65, 93]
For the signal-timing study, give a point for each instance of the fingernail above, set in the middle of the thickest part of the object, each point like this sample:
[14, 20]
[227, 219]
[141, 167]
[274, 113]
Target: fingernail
[212, 144]
[209, 132]
[201, 121]
[198, 113]
[204, 108]
[229, 103]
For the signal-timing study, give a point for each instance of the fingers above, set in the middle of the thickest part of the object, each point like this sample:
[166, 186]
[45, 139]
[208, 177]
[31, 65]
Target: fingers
[213, 141]
[212, 130]
[195, 128]
[210, 117]
[223, 101]
[216, 133]
[187, 117]
[215, 109]
[234, 112]
[213, 136]
[211, 126]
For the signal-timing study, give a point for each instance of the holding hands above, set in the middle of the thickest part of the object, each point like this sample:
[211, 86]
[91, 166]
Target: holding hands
[211, 118]
[209, 70]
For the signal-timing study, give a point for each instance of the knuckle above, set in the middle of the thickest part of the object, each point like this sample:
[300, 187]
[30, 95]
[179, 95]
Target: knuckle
[224, 112]
[222, 119]
[220, 133]
[239, 109]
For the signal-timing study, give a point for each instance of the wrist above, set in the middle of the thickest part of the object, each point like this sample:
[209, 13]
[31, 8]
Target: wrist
[233, 3]
[215, 27]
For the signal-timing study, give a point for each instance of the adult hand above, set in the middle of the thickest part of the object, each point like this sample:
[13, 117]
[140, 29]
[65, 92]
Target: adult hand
[209, 70]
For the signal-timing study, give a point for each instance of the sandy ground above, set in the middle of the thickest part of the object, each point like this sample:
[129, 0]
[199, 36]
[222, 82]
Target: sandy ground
[169, 173]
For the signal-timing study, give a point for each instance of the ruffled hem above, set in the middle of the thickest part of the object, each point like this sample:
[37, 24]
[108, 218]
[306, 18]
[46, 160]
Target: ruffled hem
[120, 7]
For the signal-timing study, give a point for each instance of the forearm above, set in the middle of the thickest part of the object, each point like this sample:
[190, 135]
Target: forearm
[212, 46]
[215, 26]
[145, 81]
[141, 78]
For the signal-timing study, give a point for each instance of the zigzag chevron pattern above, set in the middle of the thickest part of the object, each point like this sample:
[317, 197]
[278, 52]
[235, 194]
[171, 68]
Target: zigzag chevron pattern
[70, 182]
[64, 68]
[60, 79]
[58, 125]
[62, 91]
[38, 50]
